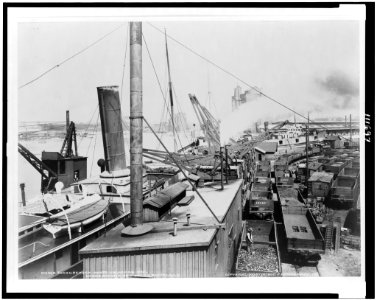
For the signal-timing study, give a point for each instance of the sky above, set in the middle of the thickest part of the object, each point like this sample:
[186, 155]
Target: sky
[310, 66]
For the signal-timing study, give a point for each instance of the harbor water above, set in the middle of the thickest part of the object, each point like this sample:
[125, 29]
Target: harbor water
[90, 146]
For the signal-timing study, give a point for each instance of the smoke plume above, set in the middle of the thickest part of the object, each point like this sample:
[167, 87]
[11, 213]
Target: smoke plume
[243, 118]
[342, 91]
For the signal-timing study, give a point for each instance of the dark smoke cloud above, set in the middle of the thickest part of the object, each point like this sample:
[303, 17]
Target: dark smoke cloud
[343, 90]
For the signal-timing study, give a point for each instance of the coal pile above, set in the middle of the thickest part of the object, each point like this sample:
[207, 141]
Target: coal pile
[264, 259]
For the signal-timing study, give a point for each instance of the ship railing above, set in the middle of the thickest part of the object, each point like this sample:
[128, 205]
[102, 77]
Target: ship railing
[34, 245]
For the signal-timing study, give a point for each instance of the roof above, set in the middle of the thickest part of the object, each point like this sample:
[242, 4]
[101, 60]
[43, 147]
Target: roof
[160, 237]
[332, 138]
[322, 177]
[165, 196]
[267, 147]
[314, 165]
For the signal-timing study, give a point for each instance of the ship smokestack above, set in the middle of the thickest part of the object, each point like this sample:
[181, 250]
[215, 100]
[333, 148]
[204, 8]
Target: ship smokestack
[266, 126]
[112, 130]
[136, 133]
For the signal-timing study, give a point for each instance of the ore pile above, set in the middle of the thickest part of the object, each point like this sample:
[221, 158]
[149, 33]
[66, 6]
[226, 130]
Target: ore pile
[263, 260]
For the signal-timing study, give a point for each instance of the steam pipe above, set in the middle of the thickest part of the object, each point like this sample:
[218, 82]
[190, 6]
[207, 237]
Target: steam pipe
[22, 186]
[188, 215]
[136, 133]
[175, 221]
[136, 124]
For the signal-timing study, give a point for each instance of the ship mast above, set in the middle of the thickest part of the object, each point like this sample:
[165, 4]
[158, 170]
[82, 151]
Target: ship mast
[307, 159]
[170, 93]
[136, 133]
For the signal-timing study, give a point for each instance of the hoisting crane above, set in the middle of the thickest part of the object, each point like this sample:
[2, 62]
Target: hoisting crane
[46, 172]
[279, 126]
[208, 124]
[65, 166]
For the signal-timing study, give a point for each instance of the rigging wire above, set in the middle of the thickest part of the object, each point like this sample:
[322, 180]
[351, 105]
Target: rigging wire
[86, 130]
[69, 58]
[183, 124]
[94, 132]
[94, 148]
[124, 65]
[162, 117]
[232, 75]
[158, 80]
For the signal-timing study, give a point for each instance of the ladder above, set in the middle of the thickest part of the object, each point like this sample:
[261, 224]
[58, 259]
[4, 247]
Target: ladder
[329, 236]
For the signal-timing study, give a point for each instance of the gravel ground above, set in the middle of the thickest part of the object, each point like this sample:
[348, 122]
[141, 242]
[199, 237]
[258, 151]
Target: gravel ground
[263, 259]
[343, 263]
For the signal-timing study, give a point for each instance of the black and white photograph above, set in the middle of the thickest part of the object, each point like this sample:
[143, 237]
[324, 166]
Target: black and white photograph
[167, 143]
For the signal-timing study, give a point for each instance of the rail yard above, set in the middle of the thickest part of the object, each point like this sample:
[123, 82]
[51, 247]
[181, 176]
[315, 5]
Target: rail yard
[279, 200]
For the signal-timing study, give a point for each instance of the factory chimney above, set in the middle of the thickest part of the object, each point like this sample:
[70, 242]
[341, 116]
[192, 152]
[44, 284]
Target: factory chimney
[112, 130]
[136, 133]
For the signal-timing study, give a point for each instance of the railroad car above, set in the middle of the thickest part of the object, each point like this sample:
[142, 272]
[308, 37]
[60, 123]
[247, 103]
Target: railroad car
[303, 238]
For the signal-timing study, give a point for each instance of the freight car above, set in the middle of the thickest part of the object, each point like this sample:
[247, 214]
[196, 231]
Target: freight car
[299, 155]
[262, 184]
[261, 205]
[304, 241]
[264, 261]
[344, 192]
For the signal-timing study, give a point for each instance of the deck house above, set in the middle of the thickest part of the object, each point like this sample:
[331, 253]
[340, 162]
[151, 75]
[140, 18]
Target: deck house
[200, 248]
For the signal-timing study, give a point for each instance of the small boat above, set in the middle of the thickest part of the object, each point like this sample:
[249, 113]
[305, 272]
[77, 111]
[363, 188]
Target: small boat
[82, 213]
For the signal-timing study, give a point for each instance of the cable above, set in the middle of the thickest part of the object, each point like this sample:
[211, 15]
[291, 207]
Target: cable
[94, 147]
[69, 58]
[184, 126]
[232, 75]
[86, 130]
[94, 132]
[184, 174]
[124, 65]
[155, 72]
